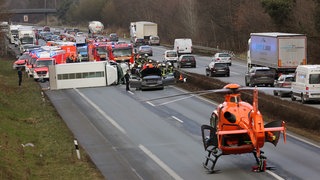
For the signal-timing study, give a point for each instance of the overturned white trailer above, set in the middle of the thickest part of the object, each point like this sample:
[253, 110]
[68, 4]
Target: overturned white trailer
[85, 74]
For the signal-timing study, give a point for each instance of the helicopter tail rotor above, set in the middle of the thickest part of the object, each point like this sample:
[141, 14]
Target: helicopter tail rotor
[273, 130]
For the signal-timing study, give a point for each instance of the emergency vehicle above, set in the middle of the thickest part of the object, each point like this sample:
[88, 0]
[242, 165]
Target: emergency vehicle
[70, 48]
[121, 53]
[41, 68]
[97, 51]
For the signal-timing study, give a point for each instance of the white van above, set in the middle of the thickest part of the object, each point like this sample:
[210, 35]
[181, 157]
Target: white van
[170, 56]
[183, 46]
[307, 83]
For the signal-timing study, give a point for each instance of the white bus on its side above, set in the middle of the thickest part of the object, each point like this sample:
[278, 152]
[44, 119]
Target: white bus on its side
[85, 74]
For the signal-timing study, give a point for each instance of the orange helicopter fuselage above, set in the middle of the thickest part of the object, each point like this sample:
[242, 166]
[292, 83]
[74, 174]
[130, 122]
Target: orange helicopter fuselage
[239, 128]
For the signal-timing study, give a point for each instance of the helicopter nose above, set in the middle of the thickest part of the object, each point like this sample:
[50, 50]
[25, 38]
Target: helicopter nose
[230, 117]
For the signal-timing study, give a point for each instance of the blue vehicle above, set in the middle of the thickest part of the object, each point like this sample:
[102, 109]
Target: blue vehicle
[83, 52]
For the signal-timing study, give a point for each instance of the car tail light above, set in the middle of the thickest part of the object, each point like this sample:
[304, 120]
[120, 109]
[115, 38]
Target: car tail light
[286, 84]
[307, 89]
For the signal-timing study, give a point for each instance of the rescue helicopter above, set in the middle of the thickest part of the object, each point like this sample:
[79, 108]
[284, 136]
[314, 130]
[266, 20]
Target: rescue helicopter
[237, 127]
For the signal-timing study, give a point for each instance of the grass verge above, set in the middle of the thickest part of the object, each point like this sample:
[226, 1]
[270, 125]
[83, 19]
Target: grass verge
[35, 143]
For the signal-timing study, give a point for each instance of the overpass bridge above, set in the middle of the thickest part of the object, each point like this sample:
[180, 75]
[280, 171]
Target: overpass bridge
[25, 12]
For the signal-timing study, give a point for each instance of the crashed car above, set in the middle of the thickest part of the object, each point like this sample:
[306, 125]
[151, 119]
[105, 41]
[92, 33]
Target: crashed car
[151, 78]
[22, 61]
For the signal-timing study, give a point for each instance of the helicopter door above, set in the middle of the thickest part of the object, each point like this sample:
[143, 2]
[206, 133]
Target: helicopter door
[209, 137]
[214, 119]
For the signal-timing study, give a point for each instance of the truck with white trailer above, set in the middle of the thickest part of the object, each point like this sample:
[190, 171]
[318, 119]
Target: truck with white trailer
[13, 33]
[26, 36]
[281, 52]
[143, 30]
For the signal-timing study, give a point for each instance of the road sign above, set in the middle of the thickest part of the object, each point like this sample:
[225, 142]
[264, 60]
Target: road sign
[25, 18]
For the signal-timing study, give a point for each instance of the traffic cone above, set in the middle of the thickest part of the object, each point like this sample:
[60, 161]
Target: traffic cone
[181, 78]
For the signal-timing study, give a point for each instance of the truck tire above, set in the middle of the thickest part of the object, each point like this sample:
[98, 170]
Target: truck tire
[275, 93]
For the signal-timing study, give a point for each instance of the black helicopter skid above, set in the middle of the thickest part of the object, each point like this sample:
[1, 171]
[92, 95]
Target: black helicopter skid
[210, 144]
[211, 158]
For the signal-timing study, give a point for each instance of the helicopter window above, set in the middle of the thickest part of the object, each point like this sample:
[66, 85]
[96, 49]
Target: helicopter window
[235, 99]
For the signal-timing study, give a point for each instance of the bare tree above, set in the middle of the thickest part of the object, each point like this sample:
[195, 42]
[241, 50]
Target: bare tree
[188, 17]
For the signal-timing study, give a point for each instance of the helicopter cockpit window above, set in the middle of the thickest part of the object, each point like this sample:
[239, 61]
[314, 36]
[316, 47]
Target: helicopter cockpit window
[235, 99]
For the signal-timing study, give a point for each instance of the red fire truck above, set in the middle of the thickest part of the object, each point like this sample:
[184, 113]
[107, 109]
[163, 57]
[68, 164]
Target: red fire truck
[121, 53]
[97, 51]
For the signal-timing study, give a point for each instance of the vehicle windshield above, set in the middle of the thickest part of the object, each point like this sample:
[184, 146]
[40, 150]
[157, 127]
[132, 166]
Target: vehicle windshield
[122, 52]
[221, 65]
[14, 32]
[188, 58]
[101, 50]
[172, 54]
[263, 71]
[289, 79]
[145, 48]
[224, 55]
[24, 56]
[27, 40]
[314, 79]
[44, 63]
[82, 50]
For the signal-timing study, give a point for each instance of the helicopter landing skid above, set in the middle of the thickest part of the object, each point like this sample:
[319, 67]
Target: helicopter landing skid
[261, 163]
[211, 159]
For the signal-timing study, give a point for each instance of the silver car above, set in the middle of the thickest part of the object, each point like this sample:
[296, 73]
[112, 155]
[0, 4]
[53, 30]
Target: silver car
[145, 50]
[284, 81]
[223, 58]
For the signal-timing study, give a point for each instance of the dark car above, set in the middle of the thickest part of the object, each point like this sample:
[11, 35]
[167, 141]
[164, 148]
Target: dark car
[259, 76]
[113, 37]
[138, 42]
[284, 81]
[217, 68]
[186, 60]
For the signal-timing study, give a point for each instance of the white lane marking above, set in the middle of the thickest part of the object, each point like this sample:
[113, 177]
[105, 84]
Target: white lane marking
[303, 140]
[113, 122]
[150, 103]
[275, 175]
[168, 102]
[177, 119]
[197, 96]
[131, 92]
[160, 163]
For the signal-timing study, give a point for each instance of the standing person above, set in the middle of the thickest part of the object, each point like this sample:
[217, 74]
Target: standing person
[79, 57]
[20, 76]
[127, 79]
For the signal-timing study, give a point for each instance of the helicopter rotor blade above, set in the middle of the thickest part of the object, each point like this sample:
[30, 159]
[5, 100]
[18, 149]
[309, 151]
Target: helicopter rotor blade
[202, 92]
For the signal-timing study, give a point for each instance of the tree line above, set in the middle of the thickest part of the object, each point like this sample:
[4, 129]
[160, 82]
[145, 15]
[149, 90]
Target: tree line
[225, 24]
